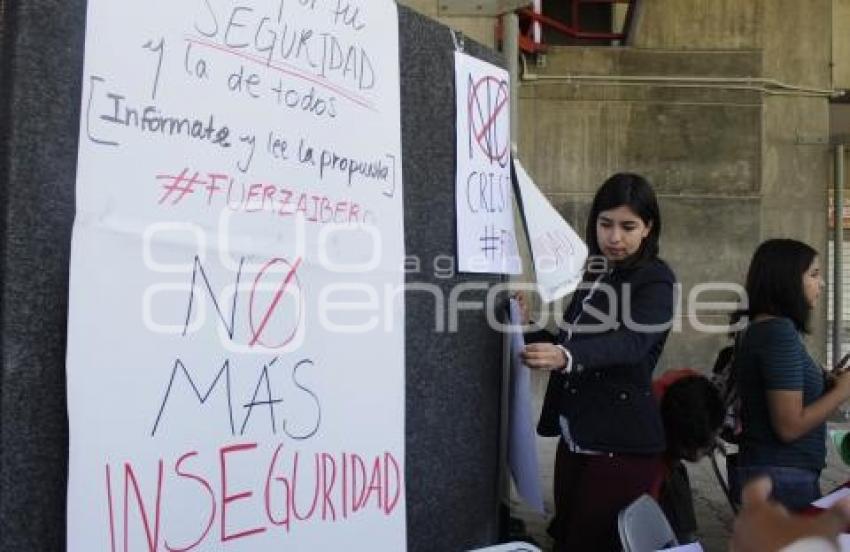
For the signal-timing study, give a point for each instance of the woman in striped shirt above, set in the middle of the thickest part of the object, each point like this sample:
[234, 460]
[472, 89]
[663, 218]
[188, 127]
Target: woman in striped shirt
[785, 396]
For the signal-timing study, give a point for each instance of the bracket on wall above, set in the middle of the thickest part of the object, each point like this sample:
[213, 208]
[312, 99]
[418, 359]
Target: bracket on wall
[811, 140]
[458, 40]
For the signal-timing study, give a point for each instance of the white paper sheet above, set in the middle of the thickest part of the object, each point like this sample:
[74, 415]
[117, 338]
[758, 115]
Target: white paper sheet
[692, 547]
[830, 499]
[224, 391]
[522, 445]
[486, 239]
[558, 252]
[509, 547]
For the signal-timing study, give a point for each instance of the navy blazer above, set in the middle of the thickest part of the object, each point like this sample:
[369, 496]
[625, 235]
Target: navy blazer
[607, 398]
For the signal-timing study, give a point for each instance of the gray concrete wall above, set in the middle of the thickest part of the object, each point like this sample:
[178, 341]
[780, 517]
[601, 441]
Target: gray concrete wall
[841, 43]
[701, 24]
[797, 169]
[701, 147]
[797, 175]
[480, 29]
[731, 166]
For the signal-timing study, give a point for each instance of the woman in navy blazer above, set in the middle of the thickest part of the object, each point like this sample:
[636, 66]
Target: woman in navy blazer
[599, 399]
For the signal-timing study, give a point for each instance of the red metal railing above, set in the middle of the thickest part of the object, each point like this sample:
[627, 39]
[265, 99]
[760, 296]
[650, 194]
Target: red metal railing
[528, 19]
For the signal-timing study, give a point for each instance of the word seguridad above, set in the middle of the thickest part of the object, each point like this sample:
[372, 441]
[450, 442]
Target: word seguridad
[273, 39]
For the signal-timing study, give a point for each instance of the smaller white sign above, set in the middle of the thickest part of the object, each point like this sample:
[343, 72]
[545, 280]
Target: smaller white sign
[829, 500]
[486, 240]
[558, 252]
[522, 444]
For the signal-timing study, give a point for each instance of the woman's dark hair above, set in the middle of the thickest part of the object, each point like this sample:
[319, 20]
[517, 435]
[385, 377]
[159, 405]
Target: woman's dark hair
[635, 192]
[775, 281]
[692, 413]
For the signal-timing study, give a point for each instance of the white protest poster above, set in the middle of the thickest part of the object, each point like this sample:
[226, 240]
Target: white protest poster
[559, 253]
[236, 328]
[486, 239]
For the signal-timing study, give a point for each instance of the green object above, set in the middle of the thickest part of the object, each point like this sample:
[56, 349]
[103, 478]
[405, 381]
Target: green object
[841, 440]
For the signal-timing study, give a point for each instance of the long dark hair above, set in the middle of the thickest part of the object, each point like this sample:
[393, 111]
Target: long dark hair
[775, 281]
[635, 192]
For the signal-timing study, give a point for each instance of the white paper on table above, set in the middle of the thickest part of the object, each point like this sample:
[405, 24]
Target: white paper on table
[830, 499]
[522, 446]
[486, 238]
[692, 547]
[558, 252]
[815, 544]
[509, 547]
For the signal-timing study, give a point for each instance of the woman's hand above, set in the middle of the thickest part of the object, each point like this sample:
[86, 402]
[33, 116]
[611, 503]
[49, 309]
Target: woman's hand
[765, 526]
[791, 418]
[841, 382]
[843, 364]
[544, 356]
[830, 377]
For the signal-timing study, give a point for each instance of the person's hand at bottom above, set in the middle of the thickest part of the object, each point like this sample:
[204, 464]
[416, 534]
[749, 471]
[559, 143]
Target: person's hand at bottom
[763, 525]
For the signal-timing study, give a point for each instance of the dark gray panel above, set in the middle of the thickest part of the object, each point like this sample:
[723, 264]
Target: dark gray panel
[453, 379]
[42, 53]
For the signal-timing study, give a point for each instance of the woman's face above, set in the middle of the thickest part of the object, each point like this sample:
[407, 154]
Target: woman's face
[620, 232]
[812, 283]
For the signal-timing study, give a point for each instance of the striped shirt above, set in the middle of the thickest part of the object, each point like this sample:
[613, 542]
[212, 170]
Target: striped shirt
[771, 356]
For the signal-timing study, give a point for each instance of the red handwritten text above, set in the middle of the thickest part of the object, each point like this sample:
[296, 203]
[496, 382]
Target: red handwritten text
[329, 488]
[219, 189]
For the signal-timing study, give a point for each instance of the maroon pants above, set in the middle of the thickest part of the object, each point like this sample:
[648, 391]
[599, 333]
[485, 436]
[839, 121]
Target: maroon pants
[590, 491]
